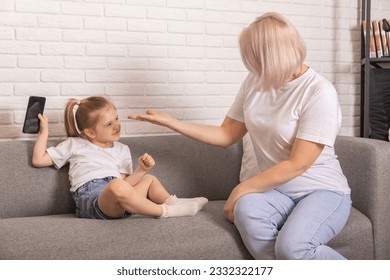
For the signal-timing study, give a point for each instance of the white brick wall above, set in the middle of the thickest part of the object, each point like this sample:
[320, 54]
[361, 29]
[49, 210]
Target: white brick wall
[178, 56]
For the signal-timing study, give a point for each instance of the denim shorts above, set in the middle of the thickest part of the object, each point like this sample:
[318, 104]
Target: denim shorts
[86, 199]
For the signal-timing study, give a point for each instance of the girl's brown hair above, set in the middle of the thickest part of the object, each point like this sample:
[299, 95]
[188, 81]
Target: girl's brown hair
[272, 49]
[86, 114]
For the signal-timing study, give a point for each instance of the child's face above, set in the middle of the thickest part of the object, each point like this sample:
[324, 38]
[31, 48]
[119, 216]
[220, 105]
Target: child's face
[108, 128]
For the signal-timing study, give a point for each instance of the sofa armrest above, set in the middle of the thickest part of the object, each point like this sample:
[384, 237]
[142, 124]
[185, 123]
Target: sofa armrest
[366, 164]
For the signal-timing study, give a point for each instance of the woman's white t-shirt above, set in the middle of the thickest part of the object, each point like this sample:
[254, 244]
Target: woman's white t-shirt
[88, 161]
[306, 108]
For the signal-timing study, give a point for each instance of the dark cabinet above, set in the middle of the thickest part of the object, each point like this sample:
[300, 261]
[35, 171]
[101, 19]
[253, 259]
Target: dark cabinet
[375, 83]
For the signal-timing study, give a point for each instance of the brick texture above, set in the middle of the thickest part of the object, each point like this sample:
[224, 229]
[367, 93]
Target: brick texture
[177, 56]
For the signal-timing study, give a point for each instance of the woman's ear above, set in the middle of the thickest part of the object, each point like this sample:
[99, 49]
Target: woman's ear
[90, 133]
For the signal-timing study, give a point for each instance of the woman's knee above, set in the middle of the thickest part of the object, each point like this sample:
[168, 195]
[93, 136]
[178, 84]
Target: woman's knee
[254, 220]
[256, 228]
[243, 209]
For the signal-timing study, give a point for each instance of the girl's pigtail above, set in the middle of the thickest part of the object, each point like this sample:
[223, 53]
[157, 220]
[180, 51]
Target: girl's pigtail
[69, 118]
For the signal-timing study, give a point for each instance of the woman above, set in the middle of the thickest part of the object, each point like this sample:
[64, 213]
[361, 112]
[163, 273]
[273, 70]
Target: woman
[300, 199]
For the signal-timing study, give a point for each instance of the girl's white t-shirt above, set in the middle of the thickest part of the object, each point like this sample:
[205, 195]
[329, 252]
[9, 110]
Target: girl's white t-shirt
[88, 161]
[306, 108]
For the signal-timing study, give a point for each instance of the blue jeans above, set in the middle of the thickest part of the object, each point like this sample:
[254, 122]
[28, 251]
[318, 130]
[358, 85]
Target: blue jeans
[86, 199]
[273, 226]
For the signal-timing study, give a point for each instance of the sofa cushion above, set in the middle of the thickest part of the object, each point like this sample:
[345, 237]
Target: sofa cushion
[358, 229]
[207, 235]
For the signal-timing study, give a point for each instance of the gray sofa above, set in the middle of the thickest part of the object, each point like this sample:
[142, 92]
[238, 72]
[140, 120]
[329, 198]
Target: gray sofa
[37, 219]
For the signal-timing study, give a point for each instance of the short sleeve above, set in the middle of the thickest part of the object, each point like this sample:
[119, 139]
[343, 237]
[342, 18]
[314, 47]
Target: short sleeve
[126, 166]
[61, 153]
[320, 119]
[236, 111]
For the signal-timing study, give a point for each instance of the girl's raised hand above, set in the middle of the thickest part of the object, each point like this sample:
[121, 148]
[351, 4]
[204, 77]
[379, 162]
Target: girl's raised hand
[44, 123]
[146, 161]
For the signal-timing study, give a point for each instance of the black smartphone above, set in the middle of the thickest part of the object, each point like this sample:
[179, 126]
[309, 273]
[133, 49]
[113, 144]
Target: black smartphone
[35, 106]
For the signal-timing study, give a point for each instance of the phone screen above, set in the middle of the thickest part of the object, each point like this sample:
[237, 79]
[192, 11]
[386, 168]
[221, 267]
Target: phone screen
[35, 106]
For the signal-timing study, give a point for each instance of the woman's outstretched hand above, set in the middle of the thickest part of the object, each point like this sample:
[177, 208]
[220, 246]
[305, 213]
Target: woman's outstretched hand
[153, 117]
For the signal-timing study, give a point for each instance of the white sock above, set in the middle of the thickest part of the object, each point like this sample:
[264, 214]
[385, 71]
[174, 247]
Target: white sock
[182, 207]
[175, 200]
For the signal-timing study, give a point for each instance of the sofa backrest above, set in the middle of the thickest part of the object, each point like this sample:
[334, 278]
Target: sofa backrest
[29, 191]
[189, 168]
[185, 167]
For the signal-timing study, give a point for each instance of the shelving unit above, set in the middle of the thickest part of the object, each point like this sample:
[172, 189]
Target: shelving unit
[367, 63]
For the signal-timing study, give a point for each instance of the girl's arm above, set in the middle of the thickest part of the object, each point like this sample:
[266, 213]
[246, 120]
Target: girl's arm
[146, 162]
[40, 156]
[229, 132]
[303, 155]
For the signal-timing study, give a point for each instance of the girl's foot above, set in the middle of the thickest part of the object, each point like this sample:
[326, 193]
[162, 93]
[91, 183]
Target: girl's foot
[178, 207]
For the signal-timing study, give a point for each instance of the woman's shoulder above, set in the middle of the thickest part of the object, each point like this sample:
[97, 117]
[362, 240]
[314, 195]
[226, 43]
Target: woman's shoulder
[319, 80]
[249, 86]
[319, 85]
[251, 80]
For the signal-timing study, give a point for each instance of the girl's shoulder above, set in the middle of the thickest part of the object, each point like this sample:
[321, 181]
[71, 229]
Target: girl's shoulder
[120, 146]
[74, 143]
[122, 149]
[76, 140]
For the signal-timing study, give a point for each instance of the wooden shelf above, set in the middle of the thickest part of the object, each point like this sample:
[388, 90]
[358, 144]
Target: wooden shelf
[377, 60]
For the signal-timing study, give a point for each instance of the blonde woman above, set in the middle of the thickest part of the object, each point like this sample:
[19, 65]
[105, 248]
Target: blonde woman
[300, 199]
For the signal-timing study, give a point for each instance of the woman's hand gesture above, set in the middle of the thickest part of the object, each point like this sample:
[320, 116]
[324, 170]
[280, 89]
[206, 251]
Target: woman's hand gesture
[153, 117]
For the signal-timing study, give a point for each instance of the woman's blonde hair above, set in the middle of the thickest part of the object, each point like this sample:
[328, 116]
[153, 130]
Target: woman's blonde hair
[271, 49]
[86, 115]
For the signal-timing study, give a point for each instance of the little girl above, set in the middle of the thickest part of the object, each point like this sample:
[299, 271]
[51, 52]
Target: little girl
[100, 168]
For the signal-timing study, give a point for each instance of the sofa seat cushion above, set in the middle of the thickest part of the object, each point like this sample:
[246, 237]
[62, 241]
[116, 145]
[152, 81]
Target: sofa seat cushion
[207, 235]
[358, 231]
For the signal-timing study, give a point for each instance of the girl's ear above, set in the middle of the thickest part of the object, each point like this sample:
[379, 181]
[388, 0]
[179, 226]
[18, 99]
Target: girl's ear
[90, 133]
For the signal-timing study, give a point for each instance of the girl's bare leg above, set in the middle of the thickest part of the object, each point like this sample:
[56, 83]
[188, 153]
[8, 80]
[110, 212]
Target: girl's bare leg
[150, 187]
[119, 197]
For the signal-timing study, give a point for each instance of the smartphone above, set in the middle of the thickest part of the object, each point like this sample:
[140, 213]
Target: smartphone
[35, 106]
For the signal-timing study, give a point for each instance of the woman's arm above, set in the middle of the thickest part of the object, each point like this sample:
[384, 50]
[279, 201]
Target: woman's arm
[229, 132]
[40, 156]
[303, 155]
